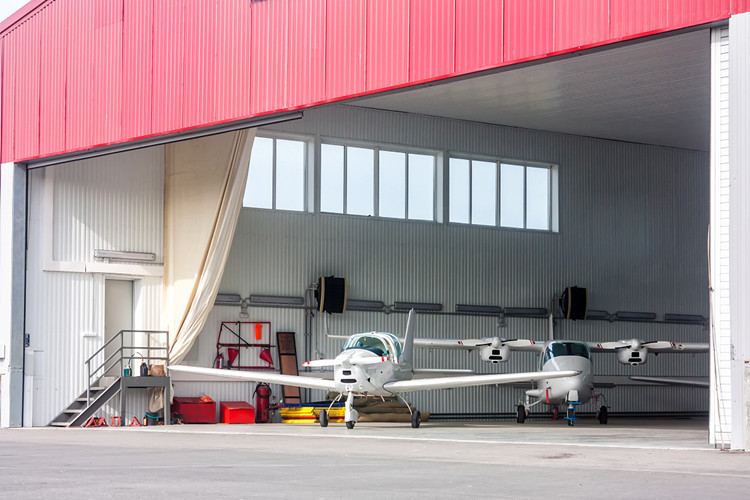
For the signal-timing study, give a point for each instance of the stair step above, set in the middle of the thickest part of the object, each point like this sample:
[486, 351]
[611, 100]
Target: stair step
[59, 424]
[73, 410]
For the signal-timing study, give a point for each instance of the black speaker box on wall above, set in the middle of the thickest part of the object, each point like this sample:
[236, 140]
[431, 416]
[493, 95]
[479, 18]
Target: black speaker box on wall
[574, 302]
[331, 294]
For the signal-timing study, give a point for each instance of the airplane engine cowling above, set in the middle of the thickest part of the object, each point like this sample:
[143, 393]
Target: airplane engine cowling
[495, 355]
[632, 357]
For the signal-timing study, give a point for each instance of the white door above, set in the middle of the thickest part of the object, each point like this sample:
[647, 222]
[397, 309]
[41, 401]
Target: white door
[118, 315]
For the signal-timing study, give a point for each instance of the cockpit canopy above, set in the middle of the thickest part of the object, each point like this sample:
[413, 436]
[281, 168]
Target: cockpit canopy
[380, 343]
[566, 349]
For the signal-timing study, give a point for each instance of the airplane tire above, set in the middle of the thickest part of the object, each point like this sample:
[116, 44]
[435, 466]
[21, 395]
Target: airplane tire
[350, 424]
[603, 416]
[323, 418]
[416, 419]
[520, 414]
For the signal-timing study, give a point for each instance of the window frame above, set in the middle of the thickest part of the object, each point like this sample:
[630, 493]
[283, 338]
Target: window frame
[308, 174]
[376, 147]
[552, 190]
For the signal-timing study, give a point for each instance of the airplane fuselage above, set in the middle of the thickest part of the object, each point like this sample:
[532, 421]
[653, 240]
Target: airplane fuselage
[562, 356]
[351, 375]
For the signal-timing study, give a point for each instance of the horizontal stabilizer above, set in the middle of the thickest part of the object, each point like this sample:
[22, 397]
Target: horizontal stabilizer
[691, 382]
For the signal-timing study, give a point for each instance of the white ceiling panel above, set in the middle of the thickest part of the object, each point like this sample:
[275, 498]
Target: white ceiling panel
[652, 92]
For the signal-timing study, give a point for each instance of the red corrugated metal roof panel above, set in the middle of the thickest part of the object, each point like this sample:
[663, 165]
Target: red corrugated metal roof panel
[580, 23]
[199, 69]
[306, 52]
[268, 89]
[346, 45]
[527, 29]
[431, 38]
[631, 17]
[738, 6]
[106, 115]
[27, 51]
[479, 34]
[137, 63]
[168, 66]
[79, 110]
[54, 56]
[387, 43]
[9, 98]
[232, 98]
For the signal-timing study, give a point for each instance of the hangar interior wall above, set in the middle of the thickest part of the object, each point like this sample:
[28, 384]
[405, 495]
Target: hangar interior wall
[633, 221]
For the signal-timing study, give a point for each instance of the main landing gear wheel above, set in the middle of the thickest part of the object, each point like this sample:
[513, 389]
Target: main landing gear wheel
[416, 418]
[350, 424]
[323, 418]
[603, 415]
[520, 414]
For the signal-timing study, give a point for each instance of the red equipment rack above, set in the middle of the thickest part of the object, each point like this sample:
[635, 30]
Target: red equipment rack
[241, 342]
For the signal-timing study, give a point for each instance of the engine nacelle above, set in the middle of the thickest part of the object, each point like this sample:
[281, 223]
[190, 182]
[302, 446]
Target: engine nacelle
[495, 355]
[631, 356]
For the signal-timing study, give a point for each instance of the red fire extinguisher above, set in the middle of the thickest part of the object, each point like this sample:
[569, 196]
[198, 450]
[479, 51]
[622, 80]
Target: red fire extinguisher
[219, 364]
[262, 395]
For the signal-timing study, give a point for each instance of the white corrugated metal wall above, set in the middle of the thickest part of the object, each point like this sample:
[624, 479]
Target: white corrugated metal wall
[633, 221]
[113, 202]
[721, 395]
[739, 235]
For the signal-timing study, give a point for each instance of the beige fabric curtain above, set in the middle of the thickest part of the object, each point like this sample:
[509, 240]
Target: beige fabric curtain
[204, 186]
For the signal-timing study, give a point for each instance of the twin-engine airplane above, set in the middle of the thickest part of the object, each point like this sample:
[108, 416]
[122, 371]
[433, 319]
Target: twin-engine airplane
[559, 356]
[375, 364]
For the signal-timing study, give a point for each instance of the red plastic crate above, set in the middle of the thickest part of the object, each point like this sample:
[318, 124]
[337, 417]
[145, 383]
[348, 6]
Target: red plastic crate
[236, 412]
[194, 411]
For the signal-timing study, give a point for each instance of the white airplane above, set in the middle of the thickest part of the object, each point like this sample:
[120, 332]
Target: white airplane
[557, 356]
[374, 364]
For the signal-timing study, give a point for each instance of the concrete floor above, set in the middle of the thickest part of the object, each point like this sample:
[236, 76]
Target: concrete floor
[539, 459]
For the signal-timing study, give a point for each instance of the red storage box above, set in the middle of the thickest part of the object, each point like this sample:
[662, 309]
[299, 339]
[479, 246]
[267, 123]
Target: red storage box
[194, 411]
[236, 412]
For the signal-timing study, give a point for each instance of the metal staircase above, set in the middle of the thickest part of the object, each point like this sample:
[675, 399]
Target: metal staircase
[105, 380]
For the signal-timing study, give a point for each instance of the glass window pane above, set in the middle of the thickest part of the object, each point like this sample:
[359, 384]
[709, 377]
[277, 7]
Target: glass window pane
[290, 175]
[537, 198]
[483, 192]
[458, 185]
[360, 185]
[511, 195]
[332, 178]
[259, 188]
[392, 184]
[421, 187]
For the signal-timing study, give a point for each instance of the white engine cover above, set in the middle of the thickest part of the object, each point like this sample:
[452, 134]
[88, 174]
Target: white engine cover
[633, 357]
[495, 354]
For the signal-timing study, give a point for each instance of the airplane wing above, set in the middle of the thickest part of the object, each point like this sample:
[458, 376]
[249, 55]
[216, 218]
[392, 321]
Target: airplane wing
[252, 376]
[655, 346]
[472, 380]
[470, 344]
[691, 382]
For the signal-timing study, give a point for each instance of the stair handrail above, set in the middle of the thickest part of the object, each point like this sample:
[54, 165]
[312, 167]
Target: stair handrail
[119, 355]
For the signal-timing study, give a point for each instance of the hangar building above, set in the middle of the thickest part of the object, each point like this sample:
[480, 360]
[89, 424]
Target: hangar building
[182, 165]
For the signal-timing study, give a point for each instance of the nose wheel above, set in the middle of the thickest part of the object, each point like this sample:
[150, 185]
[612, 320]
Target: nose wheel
[603, 415]
[520, 414]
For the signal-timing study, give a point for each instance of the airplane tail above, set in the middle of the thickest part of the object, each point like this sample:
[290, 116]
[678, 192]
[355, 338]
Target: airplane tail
[408, 354]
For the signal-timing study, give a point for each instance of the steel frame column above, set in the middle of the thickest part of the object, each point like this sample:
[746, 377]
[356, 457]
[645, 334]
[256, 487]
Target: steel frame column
[13, 196]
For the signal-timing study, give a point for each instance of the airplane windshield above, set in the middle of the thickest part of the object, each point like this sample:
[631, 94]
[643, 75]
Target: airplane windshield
[566, 349]
[370, 342]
